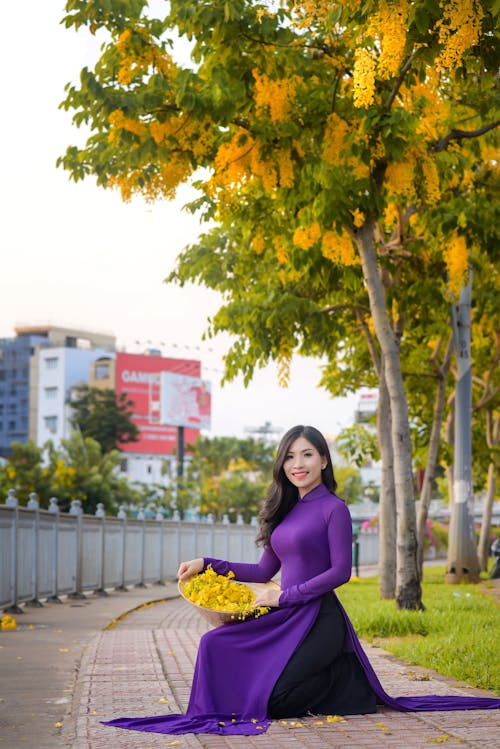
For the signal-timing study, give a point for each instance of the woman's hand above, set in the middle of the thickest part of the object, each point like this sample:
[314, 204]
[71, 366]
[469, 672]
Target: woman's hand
[268, 597]
[192, 567]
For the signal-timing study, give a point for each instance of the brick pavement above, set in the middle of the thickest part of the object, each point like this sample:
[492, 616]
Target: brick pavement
[144, 664]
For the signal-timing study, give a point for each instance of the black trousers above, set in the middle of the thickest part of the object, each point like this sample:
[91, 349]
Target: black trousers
[320, 678]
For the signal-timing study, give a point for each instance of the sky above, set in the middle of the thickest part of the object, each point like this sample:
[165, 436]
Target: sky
[75, 255]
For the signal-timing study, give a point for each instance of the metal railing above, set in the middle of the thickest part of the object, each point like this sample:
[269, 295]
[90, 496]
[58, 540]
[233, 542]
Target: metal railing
[45, 554]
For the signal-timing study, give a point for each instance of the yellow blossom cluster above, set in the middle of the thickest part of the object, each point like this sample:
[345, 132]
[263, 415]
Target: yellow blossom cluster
[196, 136]
[358, 218]
[458, 30]
[308, 12]
[258, 244]
[138, 54]
[388, 26]
[119, 121]
[284, 361]
[274, 96]
[282, 253]
[363, 78]
[457, 263]
[162, 184]
[307, 236]
[285, 167]
[399, 178]
[335, 132]
[221, 593]
[339, 248]
[391, 215]
[233, 158]
[431, 178]
[8, 622]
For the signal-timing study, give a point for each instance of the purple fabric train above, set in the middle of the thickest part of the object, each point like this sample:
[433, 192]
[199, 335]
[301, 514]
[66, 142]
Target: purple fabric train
[239, 663]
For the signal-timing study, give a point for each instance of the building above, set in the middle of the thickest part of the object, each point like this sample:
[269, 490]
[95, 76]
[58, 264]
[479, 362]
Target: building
[19, 376]
[59, 371]
[15, 357]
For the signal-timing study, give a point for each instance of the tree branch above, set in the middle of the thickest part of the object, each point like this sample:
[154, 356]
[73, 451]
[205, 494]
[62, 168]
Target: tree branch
[442, 144]
[399, 82]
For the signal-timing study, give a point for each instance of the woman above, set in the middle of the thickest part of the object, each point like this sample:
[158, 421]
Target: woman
[303, 657]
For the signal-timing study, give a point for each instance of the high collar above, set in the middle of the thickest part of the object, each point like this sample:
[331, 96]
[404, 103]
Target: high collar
[316, 493]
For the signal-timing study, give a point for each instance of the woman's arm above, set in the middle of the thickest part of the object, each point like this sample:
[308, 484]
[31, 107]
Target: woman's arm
[266, 568]
[339, 572]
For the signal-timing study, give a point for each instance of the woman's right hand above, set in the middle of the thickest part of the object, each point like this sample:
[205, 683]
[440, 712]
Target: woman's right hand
[192, 567]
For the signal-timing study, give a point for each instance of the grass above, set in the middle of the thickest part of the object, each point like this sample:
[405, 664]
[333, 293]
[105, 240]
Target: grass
[457, 635]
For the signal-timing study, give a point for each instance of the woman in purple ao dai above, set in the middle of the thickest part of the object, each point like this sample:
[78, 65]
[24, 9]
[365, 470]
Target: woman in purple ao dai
[302, 658]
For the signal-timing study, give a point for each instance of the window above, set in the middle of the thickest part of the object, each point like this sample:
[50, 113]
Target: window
[50, 423]
[12, 408]
[124, 465]
[2, 375]
[51, 362]
[102, 371]
[50, 393]
[12, 425]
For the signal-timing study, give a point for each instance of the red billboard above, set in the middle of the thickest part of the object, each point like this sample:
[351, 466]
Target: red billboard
[139, 376]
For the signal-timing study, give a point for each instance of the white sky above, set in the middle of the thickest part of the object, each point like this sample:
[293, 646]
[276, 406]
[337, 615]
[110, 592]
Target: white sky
[75, 255]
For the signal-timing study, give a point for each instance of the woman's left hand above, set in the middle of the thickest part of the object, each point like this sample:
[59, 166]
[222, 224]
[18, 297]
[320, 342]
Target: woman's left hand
[268, 597]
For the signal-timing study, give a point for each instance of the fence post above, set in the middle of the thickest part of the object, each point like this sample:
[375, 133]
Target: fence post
[240, 523]
[225, 521]
[141, 516]
[176, 517]
[11, 501]
[34, 505]
[54, 508]
[122, 515]
[76, 510]
[210, 521]
[99, 513]
[159, 518]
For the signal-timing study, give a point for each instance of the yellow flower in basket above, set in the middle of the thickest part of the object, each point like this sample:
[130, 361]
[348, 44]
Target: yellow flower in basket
[223, 598]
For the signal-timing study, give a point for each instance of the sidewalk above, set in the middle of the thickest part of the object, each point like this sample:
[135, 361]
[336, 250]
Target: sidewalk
[66, 670]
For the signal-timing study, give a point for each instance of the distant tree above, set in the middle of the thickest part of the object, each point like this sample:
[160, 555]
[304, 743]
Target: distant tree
[349, 484]
[228, 476]
[104, 416]
[80, 469]
[23, 471]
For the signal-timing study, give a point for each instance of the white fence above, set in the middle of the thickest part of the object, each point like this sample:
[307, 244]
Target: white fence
[47, 553]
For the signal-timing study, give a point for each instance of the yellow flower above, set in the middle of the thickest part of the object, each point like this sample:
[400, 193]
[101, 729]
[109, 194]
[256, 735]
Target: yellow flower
[222, 593]
[364, 78]
[8, 622]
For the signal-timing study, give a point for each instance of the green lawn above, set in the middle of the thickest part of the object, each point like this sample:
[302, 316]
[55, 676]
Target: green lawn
[457, 635]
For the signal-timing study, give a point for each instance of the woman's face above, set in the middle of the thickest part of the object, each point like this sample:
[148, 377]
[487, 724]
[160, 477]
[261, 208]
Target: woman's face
[303, 465]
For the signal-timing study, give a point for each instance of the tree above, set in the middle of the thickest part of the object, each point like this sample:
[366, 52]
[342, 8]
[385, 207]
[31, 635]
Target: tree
[24, 472]
[79, 469]
[229, 476]
[330, 134]
[103, 416]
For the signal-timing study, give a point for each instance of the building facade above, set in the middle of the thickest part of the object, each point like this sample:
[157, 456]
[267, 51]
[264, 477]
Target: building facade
[19, 377]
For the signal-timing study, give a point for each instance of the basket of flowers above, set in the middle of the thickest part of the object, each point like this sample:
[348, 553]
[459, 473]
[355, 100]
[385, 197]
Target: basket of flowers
[221, 599]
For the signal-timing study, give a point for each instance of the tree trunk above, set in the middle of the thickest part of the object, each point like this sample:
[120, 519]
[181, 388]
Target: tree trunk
[387, 507]
[462, 565]
[408, 589]
[492, 438]
[483, 549]
[432, 455]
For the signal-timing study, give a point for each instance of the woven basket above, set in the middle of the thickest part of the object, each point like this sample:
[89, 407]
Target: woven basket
[215, 617]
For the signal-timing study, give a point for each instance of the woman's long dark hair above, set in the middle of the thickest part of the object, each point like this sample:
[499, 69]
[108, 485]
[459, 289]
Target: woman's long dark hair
[282, 495]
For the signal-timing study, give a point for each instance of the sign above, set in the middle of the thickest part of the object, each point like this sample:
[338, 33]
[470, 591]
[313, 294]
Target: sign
[185, 401]
[139, 377]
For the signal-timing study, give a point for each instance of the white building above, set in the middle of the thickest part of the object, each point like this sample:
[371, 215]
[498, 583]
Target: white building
[59, 370]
